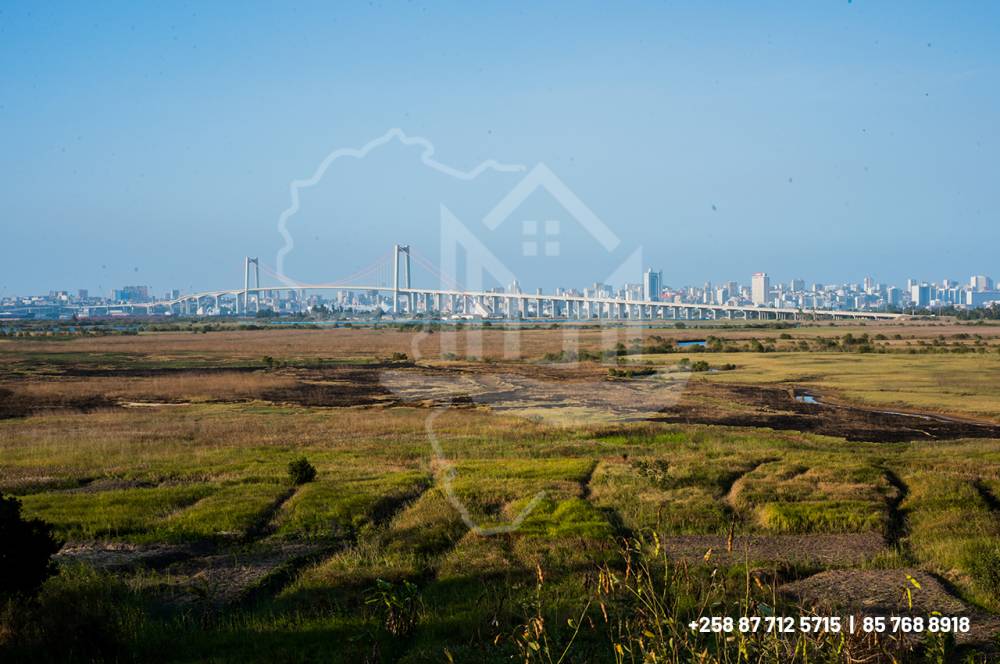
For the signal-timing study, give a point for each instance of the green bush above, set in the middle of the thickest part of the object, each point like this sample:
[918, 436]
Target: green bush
[26, 550]
[301, 471]
[631, 372]
[80, 615]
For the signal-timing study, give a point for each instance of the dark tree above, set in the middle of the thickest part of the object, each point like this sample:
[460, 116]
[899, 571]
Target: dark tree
[26, 550]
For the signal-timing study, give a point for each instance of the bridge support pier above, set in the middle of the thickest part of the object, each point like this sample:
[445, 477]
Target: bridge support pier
[398, 249]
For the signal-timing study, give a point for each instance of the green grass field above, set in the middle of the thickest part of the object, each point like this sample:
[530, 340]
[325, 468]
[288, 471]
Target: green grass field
[320, 571]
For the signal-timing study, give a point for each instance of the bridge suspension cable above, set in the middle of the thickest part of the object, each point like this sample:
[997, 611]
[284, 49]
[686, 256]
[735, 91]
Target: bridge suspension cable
[365, 272]
[428, 265]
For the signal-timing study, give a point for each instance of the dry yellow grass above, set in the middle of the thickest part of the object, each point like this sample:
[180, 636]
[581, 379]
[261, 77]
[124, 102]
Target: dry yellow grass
[530, 342]
[967, 384]
[194, 386]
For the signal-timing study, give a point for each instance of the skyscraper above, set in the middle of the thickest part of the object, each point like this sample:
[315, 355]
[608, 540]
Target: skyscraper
[651, 284]
[981, 282]
[760, 288]
[920, 294]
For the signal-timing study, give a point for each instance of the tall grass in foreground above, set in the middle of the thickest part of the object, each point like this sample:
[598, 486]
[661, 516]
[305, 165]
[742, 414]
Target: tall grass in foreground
[642, 612]
[955, 530]
[637, 609]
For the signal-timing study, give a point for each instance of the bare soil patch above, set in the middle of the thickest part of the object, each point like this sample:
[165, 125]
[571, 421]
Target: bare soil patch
[335, 386]
[120, 556]
[233, 576]
[777, 408]
[840, 549]
[192, 574]
[883, 592]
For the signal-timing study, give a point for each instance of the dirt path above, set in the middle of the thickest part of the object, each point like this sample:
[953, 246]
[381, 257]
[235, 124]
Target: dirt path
[844, 549]
[124, 557]
[883, 592]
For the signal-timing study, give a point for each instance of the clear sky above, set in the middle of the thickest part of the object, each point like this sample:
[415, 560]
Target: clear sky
[144, 144]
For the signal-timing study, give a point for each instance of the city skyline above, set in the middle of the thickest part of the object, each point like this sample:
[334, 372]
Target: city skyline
[814, 142]
[358, 297]
[975, 281]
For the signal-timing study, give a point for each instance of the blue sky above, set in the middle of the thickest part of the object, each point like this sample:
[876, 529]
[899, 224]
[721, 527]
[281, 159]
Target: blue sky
[821, 140]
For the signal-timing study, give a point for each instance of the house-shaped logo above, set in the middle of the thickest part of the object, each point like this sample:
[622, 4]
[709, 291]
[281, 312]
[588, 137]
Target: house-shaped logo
[538, 238]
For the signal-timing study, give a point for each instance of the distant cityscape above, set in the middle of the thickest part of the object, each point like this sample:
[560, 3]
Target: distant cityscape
[868, 295]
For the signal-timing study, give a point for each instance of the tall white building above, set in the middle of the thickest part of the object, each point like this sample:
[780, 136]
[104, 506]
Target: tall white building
[760, 288]
[652, 282]
[981, 282]
[920, 294]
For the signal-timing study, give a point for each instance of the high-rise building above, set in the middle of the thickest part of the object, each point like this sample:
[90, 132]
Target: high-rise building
[651, 284]
[981, 282]
[634, 292]
[981, 298]
[601, 290]
[920, 294]
[760, 288]
[132, 294]
[797, 285]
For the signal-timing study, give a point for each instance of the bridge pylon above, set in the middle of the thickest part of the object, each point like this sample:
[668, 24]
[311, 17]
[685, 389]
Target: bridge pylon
[398, 249]
[247, 262]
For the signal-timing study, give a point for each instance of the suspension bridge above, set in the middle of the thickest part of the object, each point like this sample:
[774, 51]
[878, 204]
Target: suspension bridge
[386, 285]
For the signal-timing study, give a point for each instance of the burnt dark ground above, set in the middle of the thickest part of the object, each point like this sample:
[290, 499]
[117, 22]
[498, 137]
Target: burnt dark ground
[345, 385]
[15, 404]
[777, 408]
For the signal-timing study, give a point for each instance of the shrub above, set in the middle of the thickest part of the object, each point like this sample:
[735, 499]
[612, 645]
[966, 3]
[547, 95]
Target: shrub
[80, 615]
[26, 550]
[397, 607]
[631, 372]
[301, 471]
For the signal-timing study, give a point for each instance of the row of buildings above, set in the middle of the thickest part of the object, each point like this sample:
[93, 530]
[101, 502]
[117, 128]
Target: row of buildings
[979, 291]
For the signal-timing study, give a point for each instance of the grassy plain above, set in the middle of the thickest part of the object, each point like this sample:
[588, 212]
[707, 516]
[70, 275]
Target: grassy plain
[960, 384]
[254, 568]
